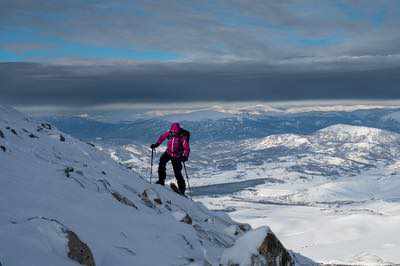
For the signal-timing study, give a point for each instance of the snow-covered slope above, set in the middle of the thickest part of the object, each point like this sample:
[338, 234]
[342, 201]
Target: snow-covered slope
[57, 193]
[287, 140]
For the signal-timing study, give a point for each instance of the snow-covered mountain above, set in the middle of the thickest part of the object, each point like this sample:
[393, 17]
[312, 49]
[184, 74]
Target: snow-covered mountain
[336, 150]
[332, 152]
[225, 124]
[63, 202]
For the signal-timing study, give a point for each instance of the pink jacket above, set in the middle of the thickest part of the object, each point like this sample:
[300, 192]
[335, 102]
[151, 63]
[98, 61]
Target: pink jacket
[178, 143]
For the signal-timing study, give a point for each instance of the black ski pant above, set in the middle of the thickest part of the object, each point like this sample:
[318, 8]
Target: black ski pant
[176, 165]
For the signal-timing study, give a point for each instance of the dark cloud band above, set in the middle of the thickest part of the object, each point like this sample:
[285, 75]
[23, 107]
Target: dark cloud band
[35, 84]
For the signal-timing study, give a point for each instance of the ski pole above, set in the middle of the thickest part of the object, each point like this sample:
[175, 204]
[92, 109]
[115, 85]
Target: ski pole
[187, 178]
[151, 164]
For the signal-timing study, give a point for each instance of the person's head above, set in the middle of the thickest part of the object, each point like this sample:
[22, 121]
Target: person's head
[175, 128]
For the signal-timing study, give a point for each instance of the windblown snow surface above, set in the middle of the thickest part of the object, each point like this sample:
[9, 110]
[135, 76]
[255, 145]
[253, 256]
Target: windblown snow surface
[52, 183]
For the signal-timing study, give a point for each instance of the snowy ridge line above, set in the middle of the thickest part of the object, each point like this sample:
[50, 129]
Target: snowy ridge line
[111, 214]
[333, 264]
[220, 111]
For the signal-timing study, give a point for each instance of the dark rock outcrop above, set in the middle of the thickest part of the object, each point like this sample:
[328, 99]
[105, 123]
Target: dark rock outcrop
[245, 227]
[151, 199]
[46, 126]
[187, 219]
[158, 201]
[122, 199]
[79, 251]
[259, 247]
[33, 136]
[274, 252]
[68, 170]
[91, 144]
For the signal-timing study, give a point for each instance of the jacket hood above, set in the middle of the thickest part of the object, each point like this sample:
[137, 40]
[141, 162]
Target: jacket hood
[175, 127]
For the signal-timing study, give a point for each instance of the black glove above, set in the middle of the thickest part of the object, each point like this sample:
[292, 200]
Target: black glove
[184, 158]
[153, 146]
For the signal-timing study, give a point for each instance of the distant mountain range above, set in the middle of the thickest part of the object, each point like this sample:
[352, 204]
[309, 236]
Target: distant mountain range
[240, 126]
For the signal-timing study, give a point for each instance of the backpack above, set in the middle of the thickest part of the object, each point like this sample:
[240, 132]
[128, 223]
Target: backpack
[185, 133]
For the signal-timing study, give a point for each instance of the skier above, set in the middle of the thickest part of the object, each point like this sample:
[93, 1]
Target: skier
[178, 150]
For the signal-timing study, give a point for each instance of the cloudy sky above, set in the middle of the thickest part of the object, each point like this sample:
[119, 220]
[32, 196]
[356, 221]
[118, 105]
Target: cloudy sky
[92, 52]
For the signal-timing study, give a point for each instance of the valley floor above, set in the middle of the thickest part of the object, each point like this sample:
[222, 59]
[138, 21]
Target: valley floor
[328, 222]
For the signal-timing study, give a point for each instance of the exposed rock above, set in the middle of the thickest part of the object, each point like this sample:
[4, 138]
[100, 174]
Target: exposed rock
[43, 126]
[187, 219]
[1, 134]
[158, 201]
[33, 136]
[122, 199]
[90, 144]
[68, 170]
[146, 199]
[62, 138]
[182, 217]
[103, 172]
[245, 227]
[259, 247]
[274, 252]
[79, 251]
[14, 131]
[150, 196]
[46, 126]
[3, 148]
